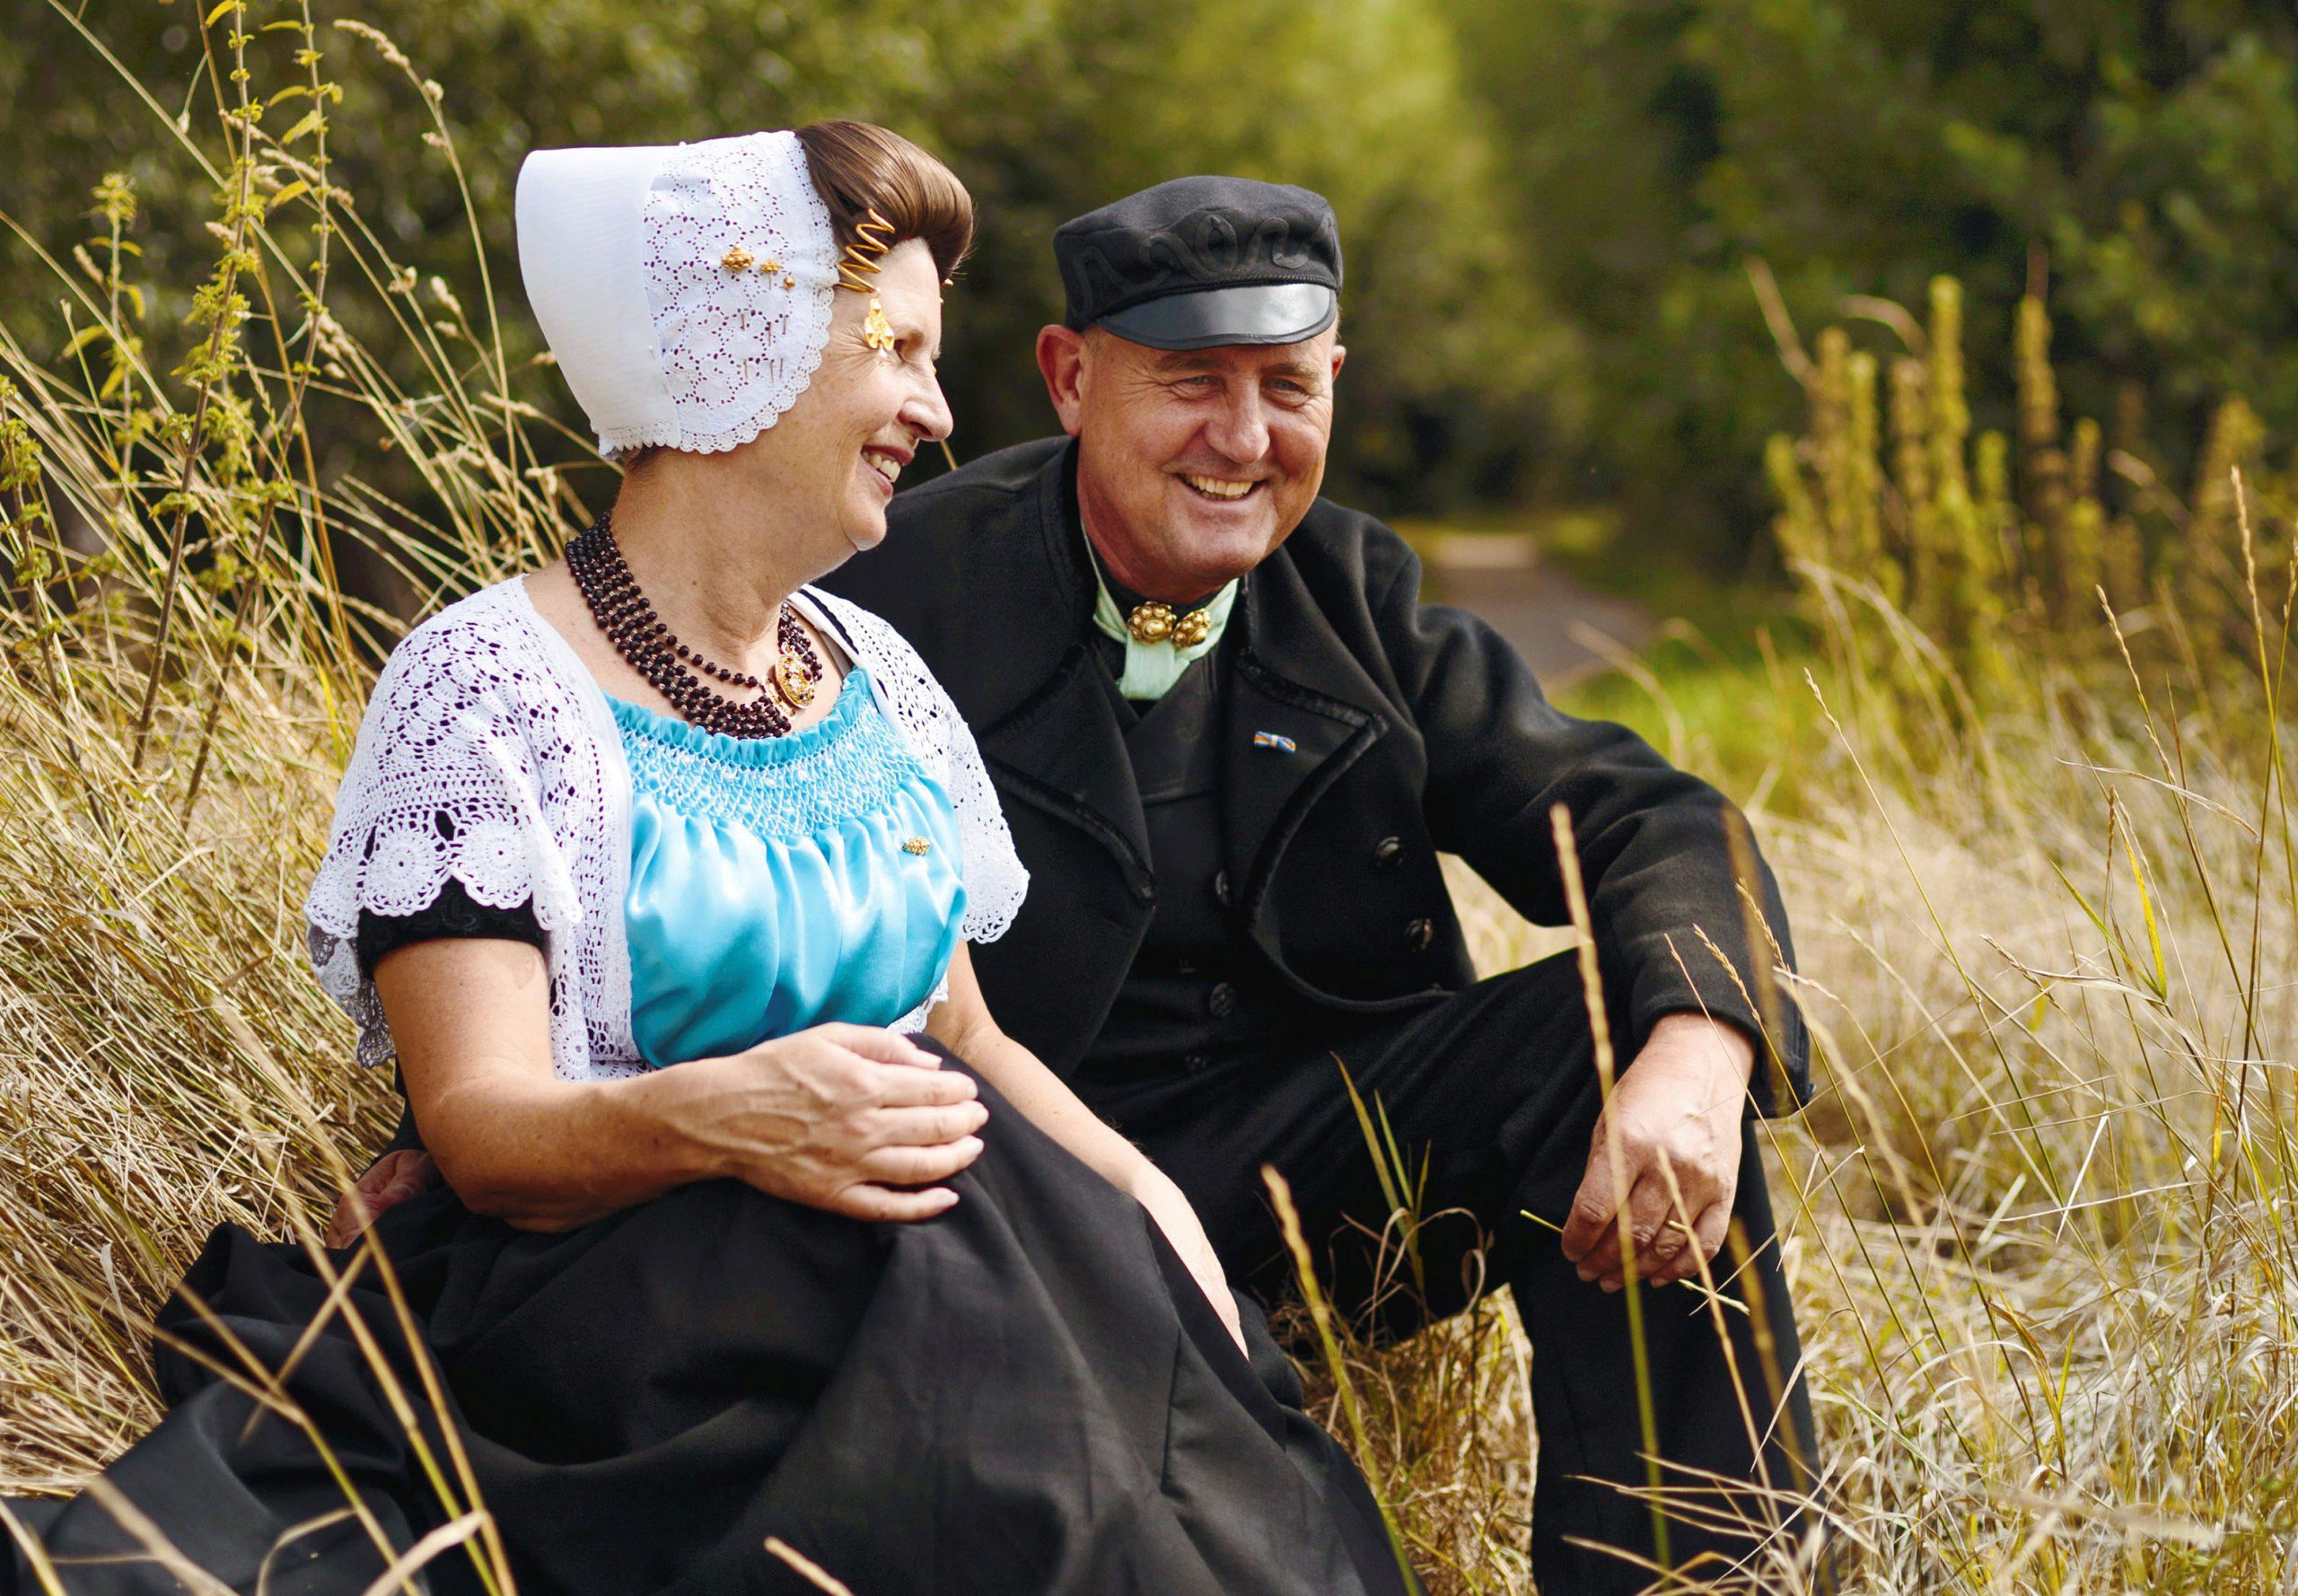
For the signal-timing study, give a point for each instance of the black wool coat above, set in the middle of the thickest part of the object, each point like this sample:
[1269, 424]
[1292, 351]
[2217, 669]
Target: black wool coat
[1414, 729]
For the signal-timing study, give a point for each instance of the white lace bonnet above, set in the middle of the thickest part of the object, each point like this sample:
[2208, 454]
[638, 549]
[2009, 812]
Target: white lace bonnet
[685, 289]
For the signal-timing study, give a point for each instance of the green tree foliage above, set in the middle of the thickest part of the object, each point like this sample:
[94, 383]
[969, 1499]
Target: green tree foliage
[1045, 108]
[2139, 158]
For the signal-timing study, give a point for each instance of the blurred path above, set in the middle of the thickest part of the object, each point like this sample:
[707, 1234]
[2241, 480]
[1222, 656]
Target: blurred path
[1535, 605]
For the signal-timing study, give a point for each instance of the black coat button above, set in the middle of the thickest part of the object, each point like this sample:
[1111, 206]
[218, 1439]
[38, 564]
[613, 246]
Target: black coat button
[1193, 1062]
[1419, 934]
[1387, 852]
[1220, 1000]
[1221, 887]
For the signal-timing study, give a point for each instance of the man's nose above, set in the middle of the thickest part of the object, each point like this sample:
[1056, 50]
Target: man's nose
[1239, 431]
[927, 412]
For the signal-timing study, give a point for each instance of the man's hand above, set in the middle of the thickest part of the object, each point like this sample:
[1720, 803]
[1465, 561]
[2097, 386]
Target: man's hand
[1677, 1107]
[389, 1181]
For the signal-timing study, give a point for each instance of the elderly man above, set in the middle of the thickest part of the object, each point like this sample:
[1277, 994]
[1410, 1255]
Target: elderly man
[1232, 743]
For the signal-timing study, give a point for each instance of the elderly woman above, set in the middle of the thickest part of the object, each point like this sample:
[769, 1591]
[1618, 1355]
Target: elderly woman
[655, 869]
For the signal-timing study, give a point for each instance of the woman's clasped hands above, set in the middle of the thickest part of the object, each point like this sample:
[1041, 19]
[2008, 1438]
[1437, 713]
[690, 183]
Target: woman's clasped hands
[853, 1118]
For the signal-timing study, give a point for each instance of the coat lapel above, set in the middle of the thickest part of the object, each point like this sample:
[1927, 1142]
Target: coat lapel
[1063, 752]
[1058, 744]
[1299, 714]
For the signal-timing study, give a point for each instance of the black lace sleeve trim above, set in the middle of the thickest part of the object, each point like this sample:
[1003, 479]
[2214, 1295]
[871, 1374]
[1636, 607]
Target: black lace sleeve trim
[454, 913]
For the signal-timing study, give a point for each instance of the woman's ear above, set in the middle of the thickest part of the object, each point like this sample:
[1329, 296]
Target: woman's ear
[1061, 358]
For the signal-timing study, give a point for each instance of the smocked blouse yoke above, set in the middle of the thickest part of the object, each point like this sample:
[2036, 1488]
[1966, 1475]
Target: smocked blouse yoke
[781, 883]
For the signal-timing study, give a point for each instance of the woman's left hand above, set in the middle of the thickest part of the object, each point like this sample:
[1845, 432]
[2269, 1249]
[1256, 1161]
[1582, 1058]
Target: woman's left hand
[1170, 1209]
[962, 1024]
[392, 1178]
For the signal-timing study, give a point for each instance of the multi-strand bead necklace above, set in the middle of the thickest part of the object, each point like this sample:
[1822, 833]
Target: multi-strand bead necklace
[674, 669]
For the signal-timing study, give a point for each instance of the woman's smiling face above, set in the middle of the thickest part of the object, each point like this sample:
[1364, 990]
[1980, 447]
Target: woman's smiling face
[866, 413]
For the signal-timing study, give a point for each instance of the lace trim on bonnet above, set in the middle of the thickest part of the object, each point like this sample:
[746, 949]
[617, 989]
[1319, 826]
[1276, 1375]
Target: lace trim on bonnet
[487, 754]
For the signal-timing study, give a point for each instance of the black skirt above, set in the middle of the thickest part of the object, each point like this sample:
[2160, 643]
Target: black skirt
[1027, 1394]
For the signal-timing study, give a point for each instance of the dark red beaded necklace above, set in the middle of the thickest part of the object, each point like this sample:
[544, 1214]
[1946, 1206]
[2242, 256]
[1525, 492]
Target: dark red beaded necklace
[670, 666]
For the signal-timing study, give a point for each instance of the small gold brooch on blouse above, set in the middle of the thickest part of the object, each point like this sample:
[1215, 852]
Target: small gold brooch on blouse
[916, 845]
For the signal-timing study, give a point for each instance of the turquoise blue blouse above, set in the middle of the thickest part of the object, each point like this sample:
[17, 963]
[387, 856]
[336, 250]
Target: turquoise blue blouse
[782, 882]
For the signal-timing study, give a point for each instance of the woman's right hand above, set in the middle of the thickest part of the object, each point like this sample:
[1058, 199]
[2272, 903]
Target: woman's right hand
[852, 1118]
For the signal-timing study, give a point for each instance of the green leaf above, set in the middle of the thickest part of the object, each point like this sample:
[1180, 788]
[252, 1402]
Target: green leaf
[2162, 975]
[312, 121]
[223, 8]
[298, 186]
[2081, 902]
[81, 340]
[1389, 1187]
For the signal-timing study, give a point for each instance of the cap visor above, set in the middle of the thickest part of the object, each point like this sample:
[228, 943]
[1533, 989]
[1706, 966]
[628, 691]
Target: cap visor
[1255, 313]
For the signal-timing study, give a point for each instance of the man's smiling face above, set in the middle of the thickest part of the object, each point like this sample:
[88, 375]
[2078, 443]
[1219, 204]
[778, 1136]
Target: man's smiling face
[1192, 464]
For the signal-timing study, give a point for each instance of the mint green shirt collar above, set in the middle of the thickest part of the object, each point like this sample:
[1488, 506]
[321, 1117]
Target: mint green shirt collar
[1151, 669]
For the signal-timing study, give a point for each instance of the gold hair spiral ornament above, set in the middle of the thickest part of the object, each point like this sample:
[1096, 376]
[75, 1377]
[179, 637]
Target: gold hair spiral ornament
[860, 262]
[855, 270]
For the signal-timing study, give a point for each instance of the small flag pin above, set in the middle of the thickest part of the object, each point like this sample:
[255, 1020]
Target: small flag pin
[1275, 740]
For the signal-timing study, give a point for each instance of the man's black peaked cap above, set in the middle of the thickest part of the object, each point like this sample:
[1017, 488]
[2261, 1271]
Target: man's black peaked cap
[1201, 261]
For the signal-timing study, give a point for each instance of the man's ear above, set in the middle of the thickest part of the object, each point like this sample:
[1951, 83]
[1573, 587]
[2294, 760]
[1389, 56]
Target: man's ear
[1061, 360]
[1339, 355]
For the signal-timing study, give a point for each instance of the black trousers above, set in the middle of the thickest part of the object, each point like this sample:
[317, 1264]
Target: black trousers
[1496, 1087]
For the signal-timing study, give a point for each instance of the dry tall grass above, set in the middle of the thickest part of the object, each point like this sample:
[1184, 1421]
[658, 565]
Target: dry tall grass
[2035, 1221]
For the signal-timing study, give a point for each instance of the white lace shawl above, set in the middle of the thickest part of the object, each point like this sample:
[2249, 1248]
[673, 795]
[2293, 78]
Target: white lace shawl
[489, 754]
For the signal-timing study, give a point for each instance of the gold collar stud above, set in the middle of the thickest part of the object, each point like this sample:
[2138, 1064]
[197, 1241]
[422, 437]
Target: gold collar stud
[1153, 622]
[1150, 623]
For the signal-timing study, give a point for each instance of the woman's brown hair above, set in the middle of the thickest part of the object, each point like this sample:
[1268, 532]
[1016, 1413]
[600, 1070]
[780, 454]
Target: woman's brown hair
[859, 167]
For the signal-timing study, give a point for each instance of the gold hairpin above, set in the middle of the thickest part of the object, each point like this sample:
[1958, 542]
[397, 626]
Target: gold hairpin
[877, 332]
[736, 260]
[860, 262]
